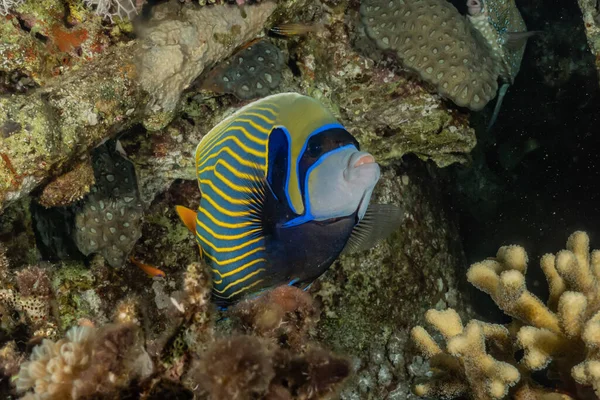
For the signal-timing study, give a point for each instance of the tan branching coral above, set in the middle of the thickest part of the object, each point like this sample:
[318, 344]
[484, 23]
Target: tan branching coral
[88, 361]
[562, 335]
[466, 365]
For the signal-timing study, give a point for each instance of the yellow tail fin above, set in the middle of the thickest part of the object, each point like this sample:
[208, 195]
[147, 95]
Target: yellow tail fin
[188, 217]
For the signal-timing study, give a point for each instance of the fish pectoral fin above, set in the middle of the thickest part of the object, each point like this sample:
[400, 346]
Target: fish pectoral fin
[188, 217]
[514, 40]
[379, 222]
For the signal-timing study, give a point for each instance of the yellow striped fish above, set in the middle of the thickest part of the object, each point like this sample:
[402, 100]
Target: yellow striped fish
[285, 188]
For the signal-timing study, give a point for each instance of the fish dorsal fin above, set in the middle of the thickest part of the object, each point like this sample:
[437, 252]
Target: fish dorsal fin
[188, 217]
[379, 222]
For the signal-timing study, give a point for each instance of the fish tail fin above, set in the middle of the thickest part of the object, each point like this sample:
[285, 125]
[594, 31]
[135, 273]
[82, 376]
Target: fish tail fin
[501, 94]
[188, 217]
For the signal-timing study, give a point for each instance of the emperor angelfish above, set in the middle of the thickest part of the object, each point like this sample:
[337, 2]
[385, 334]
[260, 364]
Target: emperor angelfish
[285, 189]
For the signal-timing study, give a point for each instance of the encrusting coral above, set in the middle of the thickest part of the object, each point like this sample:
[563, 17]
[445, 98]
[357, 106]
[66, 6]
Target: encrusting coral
[433, 39]
[28, 292]
[274, 359]
[285, 314]
[267, 355]
[562, 335]
[253, 72]
[69, 187]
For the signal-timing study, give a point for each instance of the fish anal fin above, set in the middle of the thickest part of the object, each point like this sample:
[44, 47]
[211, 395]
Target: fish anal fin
[380, 221]
[188, 217]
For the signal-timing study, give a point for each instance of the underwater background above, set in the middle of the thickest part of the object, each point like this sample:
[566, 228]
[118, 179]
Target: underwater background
[486, 289]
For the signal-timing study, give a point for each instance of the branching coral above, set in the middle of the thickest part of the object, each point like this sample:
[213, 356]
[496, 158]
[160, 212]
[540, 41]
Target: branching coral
[6, 5]
[465, 366]
[562, 335]
[124, 9]
[87, 361]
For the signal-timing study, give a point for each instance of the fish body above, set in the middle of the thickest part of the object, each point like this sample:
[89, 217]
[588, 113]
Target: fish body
[503, 27]
[296, 29]
[284, 188]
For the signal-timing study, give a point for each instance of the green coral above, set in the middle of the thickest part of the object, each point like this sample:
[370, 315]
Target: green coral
[71, 284]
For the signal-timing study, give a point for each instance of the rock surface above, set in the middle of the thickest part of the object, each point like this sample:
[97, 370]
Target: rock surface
[591, 20]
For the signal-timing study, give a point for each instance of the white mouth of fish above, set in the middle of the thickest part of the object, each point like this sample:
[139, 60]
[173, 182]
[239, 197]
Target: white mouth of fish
[358, 164]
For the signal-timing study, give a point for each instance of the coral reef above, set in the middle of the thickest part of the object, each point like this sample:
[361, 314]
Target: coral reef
[250, 73]
[284, 314]
[88, 361]
[235, 368]
[591, 21]
[27, 292]
[561, 336]
[10, 359]
[166, 67]
[432, 38]
[124, 9]
[278, 360]
[6, 5]
[70, 187]
[109, 219]
[48, 130]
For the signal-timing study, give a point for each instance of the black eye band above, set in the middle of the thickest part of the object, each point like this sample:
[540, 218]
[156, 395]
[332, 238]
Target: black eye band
[319, 144]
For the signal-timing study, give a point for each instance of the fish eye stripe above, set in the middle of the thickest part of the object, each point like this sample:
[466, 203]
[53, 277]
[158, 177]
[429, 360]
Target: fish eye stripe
[289, 163]
[307, 213]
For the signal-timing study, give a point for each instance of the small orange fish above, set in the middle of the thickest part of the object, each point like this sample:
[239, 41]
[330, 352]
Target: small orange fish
[296, 29]
[150, 270]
